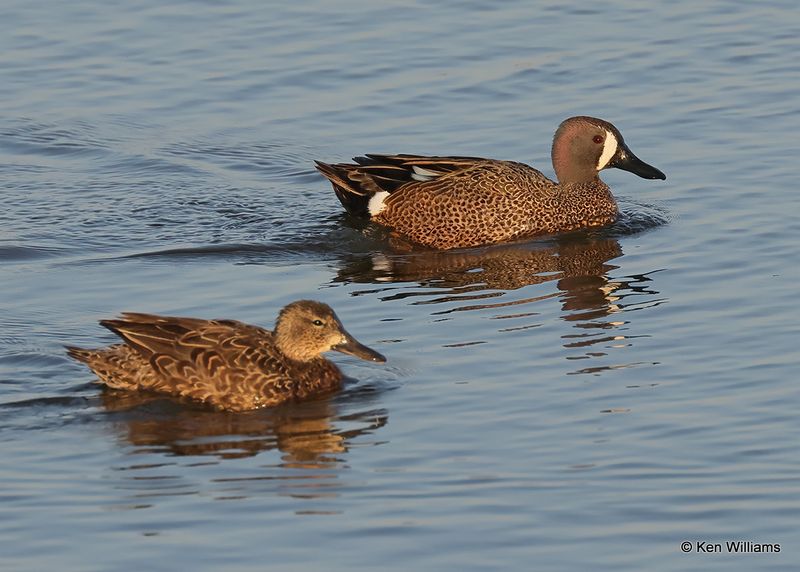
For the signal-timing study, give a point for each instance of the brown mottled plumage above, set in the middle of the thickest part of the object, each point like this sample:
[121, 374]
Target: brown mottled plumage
[227, 364]
[454, 202]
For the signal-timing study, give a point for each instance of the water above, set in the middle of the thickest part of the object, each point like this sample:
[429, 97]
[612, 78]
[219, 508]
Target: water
[581, 403]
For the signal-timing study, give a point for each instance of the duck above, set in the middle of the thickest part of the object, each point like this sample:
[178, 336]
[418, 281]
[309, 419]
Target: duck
[226, 364]
[460, 202]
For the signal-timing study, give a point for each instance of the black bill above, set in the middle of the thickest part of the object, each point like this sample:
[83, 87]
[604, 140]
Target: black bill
[627, 161]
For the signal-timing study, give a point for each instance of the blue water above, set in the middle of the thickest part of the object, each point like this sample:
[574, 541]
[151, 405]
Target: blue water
[585, 402]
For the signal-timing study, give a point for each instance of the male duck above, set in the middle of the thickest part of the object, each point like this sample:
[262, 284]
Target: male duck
[453, 202]
[227, 364]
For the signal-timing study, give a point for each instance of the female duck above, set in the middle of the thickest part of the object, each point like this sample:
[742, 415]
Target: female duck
[227, 364]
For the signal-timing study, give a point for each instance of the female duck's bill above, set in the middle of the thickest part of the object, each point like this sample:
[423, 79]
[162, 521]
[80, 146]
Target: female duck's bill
[351, 346]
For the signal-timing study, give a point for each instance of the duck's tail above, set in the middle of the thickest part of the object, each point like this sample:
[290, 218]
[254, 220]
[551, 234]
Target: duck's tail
[364, 186]
[116, 365]
[80, 354]
[353, 188]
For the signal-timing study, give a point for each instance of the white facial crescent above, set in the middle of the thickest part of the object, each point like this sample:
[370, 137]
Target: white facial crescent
[609, 148]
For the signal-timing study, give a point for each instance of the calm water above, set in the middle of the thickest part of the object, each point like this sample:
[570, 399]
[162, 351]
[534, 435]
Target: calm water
[581, 403]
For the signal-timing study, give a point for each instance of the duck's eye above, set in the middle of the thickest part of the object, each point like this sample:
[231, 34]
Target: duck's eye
[317, 322]
[597, 139]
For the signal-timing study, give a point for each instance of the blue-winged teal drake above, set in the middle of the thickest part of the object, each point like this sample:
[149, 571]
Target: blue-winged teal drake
[453, 202]
[224, 363]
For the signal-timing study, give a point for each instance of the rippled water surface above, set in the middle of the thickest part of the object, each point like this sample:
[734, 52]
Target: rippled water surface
[585, 402]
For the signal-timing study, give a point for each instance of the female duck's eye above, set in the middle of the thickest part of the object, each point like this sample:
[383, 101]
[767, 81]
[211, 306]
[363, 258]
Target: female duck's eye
[317, 322]
[597, 139]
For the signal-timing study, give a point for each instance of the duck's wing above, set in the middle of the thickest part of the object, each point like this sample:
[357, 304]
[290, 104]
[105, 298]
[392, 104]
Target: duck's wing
[356, 183]
[407, 168]
[153, 335]
[218, 361]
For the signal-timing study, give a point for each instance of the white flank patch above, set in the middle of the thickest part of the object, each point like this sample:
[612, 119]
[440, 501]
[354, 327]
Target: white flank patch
[609, 148]
[381, 263]
[423, 175]
[376, 202]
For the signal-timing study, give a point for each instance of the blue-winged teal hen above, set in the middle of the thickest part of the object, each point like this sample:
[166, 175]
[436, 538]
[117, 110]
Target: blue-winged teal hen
[224, 363]
[453, 202]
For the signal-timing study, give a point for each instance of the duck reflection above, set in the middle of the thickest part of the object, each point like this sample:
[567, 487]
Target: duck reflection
[309, 434]
[579, 265]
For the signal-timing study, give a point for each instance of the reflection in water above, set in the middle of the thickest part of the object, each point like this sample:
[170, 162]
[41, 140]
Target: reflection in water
[498, 267]
[482, 278]
[312, 437]
[594, 303]
[303, 432]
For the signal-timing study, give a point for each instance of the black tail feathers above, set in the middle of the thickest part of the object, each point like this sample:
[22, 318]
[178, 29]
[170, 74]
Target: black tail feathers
[353, 199]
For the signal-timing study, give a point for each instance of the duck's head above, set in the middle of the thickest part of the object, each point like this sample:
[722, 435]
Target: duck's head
[584, 146]
[305, 329]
